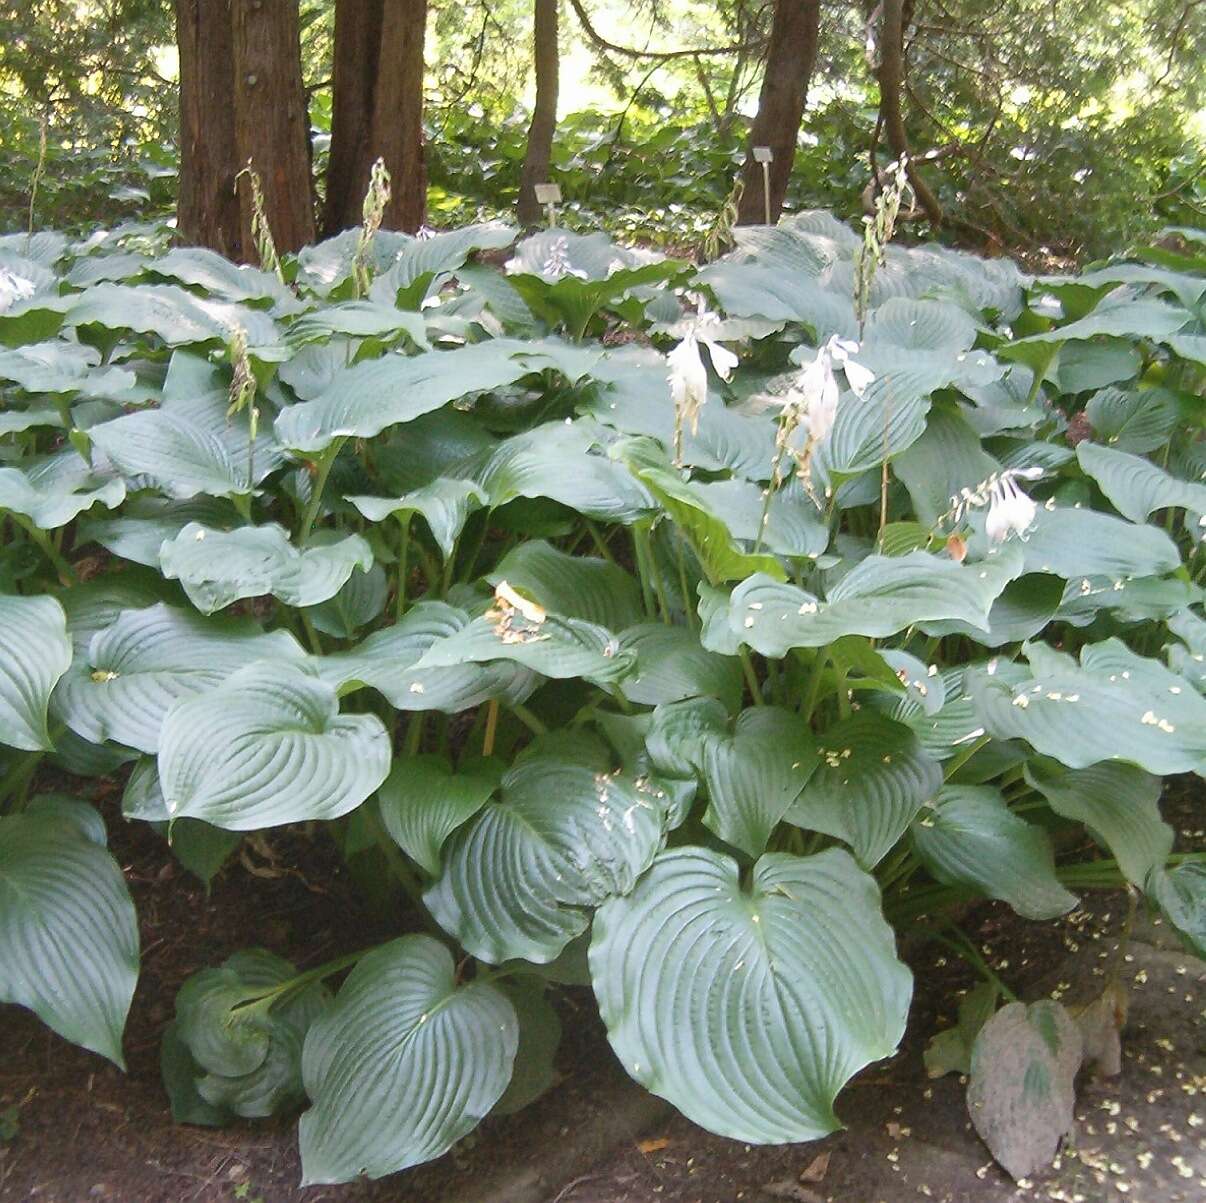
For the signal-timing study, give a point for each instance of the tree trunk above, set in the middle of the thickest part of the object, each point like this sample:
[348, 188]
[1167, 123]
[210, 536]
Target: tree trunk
[398, 113]
[789, 63]
[379, 92]
[544, 115]
[207, 212]
[357, 47]
[891, 86]
[272, 126]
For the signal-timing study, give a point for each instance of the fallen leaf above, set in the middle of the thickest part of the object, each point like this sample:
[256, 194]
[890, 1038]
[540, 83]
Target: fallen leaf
[654, 1146]
[1020, 1095]
[816, 1170]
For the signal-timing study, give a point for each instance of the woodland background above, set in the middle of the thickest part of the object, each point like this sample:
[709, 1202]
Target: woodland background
[1049, 127]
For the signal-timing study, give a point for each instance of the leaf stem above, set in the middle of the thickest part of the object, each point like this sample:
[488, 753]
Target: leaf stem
[67, 574]
[325, 462]
[751, 677]
[403, 565]
[529, 720]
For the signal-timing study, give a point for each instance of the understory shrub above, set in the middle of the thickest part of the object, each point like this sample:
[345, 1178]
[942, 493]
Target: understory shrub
[680, 631]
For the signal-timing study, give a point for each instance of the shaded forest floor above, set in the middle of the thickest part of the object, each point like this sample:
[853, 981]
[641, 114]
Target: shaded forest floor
[74, 1129]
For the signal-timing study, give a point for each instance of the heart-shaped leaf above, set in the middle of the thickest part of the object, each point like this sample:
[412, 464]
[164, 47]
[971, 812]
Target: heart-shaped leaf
[566, 834]
[219, 567]
[403, 1065]
[873, 778]
[68, 931]
[269, 746]
[968, 836]
[423, 801]
[1020, 1093]
[750, 1008]
[34, 653]
[753, 769]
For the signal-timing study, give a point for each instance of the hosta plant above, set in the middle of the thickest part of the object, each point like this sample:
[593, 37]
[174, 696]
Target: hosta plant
[675, 630]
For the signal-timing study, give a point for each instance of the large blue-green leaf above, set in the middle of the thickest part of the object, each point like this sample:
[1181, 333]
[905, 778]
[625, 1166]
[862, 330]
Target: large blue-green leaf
[567, 833]
[364, 399]
[749, 1007]
[968, 836]
[34, 653]
[424, 800]
[879, 596]
[872, 780]
[219, 567]
[403, 1065]
[1113, 705]
[269, 746]
[68, 931]
[1119, 803]
[754, 769]
[136, 669]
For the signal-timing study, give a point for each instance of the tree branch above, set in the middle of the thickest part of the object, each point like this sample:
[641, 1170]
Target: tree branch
[660, 55]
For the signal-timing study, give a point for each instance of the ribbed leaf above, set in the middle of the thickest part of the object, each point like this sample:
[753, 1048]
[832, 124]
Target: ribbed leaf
[54, 489]
[423, 801]
[968, 836]
[563, 463]
[553, 646]
[566, 835]
[34, 653]
[1133, 421]
[753, 769]
[1119, 803]
[671, 666]
[445, 505]
[879, 596]
[245, 1060]
[68, 932]
[219, 567]
[575, 586]
[403, 1065]
[188, 450]
[173, 314]
[1137, 488]
[1113, 705]
[148, 660]
[873, 779]
[266, 747]
[1071, 542]
[364, 399]
[386, 661]
[749, 1009]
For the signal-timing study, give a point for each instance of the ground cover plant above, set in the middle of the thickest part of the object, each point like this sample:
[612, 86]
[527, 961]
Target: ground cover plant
[687, 632]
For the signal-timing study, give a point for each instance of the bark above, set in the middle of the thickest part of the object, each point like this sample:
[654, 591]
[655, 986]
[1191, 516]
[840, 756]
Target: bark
[891, 87]
[272, 126]
[398, 113]
[357, 45]
[544, 114]
[378, 87]
[789, 62]
[207, 212]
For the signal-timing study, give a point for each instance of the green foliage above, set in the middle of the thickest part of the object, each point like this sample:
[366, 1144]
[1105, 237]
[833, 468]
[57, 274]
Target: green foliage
[708, 722]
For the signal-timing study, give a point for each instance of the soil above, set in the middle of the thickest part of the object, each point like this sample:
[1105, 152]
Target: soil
[85, 1131]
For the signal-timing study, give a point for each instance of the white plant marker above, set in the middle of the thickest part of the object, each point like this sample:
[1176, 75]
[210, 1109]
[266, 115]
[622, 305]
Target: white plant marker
[764, 155]
[549, 195]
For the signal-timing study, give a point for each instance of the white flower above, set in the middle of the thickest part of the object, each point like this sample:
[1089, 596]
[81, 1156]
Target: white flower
[857, 376]
[557, 262]
[13, 288]
[816, 389]
[1009, 509]
[688, 380]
